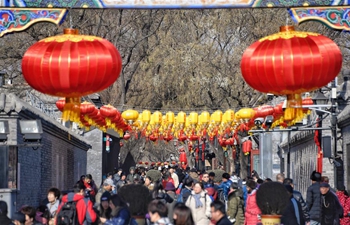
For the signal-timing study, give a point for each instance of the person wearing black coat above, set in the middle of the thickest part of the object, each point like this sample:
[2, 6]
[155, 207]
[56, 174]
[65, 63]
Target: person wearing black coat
[331, 208]
[4, 220]
[297, 195]
[218, 213]
[293, 214]
[313, 199]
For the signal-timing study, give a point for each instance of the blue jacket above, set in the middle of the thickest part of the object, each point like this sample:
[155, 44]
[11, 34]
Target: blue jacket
[122, 218]
[313, 201]
[225, 186]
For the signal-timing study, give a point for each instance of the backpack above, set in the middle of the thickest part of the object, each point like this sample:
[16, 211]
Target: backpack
[68, 214]
[180, 196]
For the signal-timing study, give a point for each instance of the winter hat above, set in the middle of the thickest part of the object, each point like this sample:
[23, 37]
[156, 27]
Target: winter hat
[316, 176]
[108, 181]
[132, 168]
[20, 217]
[324, 184]
[169, 187]
[105, 196]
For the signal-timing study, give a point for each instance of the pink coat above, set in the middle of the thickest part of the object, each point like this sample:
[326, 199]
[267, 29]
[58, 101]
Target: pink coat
[252, 210]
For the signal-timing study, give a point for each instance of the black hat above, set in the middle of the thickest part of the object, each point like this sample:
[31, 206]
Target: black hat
[324, 184]
[315, 176]
[105, 196]
[211, 174]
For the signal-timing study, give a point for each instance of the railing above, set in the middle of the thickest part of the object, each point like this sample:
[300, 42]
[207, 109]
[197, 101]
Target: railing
[48, 108]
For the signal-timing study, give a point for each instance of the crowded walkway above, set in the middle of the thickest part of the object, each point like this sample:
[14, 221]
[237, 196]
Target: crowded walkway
[173, 195]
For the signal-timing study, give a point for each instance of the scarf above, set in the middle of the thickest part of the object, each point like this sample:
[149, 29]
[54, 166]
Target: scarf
[197, 198]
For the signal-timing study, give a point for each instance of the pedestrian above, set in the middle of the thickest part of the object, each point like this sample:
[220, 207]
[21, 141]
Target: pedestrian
[182, 215]
[218, 213]
[313, 199]
[18, 218]
[225, 186]
[293, 214]
[206, 181]
[331, 208]
[235, 206]
[103, 208]
[53, 196]
[121, 182]
[108, 186]
[297, 196]
[199, 203]
[252, 211]
[4, 219]
[132, 175]
[117, 176]
[149, 183]
[158, 213]
[84, 206]
[159, 193]
[174, 176]
[120, 213]
[170, 190]
[90, 187]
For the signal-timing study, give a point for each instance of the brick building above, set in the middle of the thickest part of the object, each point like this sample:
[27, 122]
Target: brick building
[27, 172]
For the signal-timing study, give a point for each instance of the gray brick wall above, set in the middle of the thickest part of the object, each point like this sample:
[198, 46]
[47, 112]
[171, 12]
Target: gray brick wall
[94, 155]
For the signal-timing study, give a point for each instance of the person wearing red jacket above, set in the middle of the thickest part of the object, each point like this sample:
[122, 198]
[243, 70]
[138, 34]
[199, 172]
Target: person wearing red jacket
[91, 189]
[252, 211]
[85, 213]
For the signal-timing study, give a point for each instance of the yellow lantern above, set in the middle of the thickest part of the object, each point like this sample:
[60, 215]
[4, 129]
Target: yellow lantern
[229, 115]
[245, 114]
[157, 116]
[146, 116]
[193, 118]
[181, 119]
[216, 117]
[170, 117]
[130, 116]
[204, 118]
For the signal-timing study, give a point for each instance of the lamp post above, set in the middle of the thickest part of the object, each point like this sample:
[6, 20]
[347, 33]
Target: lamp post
[319, 99]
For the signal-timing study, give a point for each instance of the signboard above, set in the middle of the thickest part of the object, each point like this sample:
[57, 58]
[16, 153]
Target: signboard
[175, 4]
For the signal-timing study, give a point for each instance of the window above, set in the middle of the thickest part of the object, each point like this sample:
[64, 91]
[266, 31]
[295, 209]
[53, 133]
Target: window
[8, 167]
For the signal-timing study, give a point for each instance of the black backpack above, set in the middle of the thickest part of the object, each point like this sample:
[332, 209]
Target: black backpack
[68, 214]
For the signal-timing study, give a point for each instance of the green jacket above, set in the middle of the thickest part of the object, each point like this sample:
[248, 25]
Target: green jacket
[235, 206]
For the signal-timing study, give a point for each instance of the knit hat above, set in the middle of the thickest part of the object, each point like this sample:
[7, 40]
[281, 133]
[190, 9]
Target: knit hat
[169, 187]
[105, 196]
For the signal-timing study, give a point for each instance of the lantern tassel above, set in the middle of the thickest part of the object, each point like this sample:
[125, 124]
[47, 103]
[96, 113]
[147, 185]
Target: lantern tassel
[71, 110]
[294, 105]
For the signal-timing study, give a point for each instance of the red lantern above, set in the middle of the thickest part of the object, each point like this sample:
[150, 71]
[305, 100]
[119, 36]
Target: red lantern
[86, 108]
[183, 159]
[247, 147]
[71, 66]
[109, 113]
[289, 63]
[126, 136]
[60, 104]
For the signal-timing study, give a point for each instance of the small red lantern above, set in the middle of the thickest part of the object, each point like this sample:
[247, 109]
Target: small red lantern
[86, 108]
[126, 136]
[60, 104]
[71, 66]
[109, 113]
[290, 63]
[247, 147]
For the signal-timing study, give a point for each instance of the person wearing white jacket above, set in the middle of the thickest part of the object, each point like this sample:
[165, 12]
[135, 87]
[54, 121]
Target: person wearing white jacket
[199, 203]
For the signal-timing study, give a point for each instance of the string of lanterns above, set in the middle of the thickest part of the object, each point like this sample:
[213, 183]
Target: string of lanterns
[191, 127]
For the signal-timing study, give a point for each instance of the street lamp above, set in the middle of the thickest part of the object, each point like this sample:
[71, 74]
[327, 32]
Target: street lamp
[320, 99]
[31, 130]
[4, 130]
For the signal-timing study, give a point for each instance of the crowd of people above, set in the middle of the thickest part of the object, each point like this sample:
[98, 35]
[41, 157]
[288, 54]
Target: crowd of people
[184, 197]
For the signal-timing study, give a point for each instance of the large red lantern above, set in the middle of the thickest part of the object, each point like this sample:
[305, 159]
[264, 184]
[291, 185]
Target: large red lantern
[290, 63]
[71, 66]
